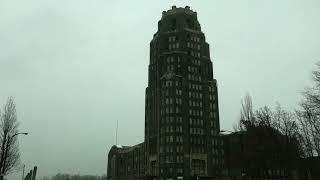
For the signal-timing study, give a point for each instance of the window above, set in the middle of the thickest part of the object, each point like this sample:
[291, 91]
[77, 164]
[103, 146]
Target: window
[173, 24]
[171, 119]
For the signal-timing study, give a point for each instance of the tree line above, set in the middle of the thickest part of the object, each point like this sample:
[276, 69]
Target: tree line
[301, 124]
[64, 176]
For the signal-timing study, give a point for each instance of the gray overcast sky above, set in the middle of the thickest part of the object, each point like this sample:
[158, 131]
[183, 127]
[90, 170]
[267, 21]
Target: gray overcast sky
[75, 67]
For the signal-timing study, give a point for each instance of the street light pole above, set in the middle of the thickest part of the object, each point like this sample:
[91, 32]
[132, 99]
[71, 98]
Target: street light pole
[23, 171]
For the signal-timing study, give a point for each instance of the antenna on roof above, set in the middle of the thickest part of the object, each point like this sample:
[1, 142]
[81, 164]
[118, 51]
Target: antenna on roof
[117, 133]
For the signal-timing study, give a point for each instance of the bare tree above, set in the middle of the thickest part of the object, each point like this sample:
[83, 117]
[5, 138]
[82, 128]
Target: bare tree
[285, 122]
[309, 125]
[264, 116]
[9, 148]
[309, 116]
[282, 121]
[247, 117]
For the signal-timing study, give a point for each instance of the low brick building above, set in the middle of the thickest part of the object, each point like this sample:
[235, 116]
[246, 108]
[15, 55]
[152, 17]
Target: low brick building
[260, 153]
[126, 162]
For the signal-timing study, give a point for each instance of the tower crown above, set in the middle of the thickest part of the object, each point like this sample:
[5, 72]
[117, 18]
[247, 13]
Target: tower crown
[178, 18]
[175, 10]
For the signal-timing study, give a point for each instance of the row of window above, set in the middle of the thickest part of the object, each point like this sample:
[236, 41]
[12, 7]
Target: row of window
[274, 172]
[171, 149]
[171, 59]
[195, 54]
[166, 92]
[211, 97]
[174, 46]
[192, 103]
[178, 92]
[179, 170]
[191, 45]
[171, 129]
[213, 132]
[170, 83]
[197, 131]
[197, 149]
[212, 114]
[179, 160]
[170, 101]
[194, 38]
[212, 106]
[193, 69]
[216, 142]
[172, 38]
[197, 141]
[217, 151]
[195, 95]
[171, 159]
[213, 124]
[171, 139]
[195, 112]
[196, 62]
[195, 86]
[217, 161]
[194, 77]
[170, 68]
[211, 89]
[170, 110]
[171, 119]
[195, 103]
[198, 122]
[192, 112]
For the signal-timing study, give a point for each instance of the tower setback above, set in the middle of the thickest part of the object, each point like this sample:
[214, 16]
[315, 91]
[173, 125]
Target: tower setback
[181, 107]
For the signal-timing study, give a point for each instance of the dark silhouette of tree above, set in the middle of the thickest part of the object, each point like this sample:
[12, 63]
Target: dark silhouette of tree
[309, 116]
[247, 117]
[264, 116]
[285, 122]
[9, 148]
[64, 176]
[282, 121]
[309, 124]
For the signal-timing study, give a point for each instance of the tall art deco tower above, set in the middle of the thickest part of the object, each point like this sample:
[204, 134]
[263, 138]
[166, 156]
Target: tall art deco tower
[181, 110]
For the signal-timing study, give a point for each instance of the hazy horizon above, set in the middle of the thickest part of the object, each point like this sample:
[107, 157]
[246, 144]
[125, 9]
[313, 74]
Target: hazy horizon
[75, 68]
